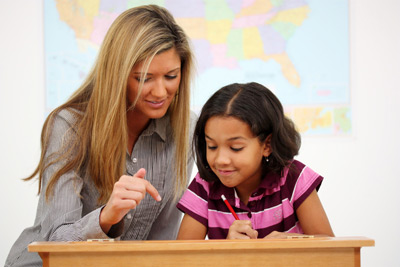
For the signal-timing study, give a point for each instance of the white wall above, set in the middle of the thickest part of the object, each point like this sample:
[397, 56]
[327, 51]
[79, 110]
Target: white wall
[21, 114]
[359, 192]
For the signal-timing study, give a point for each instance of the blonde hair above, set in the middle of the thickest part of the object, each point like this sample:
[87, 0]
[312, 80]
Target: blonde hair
[99, 149]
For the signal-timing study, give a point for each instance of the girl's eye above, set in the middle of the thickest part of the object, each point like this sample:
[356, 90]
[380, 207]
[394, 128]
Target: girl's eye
[236, 149]
[211, 147]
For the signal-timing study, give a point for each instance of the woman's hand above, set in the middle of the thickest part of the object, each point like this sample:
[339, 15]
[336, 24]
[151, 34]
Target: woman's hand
[126, 195]
[242, 229]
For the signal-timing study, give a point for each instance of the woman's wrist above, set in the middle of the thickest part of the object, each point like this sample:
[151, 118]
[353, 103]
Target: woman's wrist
[103, 222]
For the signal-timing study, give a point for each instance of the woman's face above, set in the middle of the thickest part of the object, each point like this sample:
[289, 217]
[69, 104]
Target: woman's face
[160, 85]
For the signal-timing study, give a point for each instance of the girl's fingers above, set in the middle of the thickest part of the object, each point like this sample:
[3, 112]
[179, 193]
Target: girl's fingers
[242, 229]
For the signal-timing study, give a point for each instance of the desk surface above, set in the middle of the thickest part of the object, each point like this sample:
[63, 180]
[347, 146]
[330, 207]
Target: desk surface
[182, 245]
[320, 251]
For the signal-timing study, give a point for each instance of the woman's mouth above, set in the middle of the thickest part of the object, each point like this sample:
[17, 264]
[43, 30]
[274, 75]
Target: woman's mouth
[156, 104]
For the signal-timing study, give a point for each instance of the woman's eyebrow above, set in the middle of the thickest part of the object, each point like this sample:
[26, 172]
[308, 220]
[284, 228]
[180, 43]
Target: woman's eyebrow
[149, 73]
[173, 70]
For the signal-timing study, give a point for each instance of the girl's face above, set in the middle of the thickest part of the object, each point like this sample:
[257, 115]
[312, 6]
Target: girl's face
[159, 88]
[234, 154]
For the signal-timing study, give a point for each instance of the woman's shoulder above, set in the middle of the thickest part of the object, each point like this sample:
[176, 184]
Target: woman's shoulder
[193, 116]
[64, 121]
[193, 119]
[70, 115]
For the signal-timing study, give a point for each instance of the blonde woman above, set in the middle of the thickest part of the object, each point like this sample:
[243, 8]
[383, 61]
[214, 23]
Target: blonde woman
[115, 156]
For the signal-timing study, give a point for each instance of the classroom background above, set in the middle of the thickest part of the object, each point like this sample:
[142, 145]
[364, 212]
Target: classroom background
[359, 191]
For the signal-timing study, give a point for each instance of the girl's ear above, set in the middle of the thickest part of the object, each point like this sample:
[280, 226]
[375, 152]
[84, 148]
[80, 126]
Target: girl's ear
[267, 146]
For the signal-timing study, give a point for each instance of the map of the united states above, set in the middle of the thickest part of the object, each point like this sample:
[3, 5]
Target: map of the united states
[234, 41]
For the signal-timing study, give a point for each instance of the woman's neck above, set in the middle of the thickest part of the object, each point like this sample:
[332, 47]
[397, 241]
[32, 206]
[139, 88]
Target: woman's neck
[136, 126]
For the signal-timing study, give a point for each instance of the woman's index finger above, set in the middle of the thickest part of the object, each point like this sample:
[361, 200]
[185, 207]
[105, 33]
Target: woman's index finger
[152, 191]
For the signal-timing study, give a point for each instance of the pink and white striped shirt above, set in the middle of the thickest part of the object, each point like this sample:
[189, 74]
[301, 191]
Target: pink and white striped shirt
[271, 207]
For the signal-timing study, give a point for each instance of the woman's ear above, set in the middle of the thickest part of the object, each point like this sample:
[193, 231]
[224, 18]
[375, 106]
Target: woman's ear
[267, 146]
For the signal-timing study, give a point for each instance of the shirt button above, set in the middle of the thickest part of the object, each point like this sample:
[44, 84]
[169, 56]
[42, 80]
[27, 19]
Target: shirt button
[129, 216]
[249, 214]
[134, 160]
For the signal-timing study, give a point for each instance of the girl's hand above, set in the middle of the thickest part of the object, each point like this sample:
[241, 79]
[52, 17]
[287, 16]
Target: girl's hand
[126, 195]
[242, 229]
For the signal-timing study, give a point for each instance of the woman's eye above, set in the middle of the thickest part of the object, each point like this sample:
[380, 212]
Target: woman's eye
[211, 147]
[139, 79]
[171, 77]
[236, 149]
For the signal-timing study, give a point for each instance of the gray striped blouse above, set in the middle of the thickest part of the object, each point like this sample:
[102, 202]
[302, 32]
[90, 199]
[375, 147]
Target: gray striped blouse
[67, 217]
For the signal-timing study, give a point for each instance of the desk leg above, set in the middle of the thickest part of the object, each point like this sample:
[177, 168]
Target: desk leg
[45, 258]
[357, 257]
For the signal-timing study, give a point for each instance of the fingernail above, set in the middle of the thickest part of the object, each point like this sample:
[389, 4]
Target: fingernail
[158, 198]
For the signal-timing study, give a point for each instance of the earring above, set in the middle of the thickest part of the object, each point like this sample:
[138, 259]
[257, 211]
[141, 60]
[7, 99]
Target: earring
[266, 159]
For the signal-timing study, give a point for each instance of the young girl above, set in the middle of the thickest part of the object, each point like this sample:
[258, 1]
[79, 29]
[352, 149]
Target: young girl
[245, 147]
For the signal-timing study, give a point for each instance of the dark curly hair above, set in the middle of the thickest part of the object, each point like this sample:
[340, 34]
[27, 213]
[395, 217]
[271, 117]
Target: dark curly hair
[257, 106]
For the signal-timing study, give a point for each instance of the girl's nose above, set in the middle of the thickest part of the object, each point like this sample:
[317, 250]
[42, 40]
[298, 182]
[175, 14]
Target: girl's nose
[222, 158]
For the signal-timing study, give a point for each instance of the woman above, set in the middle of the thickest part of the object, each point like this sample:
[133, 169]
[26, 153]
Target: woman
[122, 134]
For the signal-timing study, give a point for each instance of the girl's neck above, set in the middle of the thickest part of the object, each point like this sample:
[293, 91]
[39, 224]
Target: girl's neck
[244, 191]
[244, 197]
[247, 187]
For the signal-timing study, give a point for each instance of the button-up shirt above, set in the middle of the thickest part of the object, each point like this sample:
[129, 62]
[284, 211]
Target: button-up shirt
[72, 213]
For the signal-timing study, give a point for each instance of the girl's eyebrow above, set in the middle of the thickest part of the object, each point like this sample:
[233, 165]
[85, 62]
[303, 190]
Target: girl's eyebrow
[208, 137]
[230, 139]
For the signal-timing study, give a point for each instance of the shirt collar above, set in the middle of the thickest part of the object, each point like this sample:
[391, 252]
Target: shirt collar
[158, 126]
[268, 185]
[270, 181]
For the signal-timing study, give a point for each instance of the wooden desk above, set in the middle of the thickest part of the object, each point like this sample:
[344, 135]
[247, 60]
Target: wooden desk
[326, 252]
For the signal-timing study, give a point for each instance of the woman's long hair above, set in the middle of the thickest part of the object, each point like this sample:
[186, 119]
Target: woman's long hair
[100, 105]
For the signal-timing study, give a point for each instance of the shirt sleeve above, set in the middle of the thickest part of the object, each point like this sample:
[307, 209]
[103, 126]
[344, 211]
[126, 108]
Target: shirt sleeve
[307, 181]
[194, 201]
[60, 217]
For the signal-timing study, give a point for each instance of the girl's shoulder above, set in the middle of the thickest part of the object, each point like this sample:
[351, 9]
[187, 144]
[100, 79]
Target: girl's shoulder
[200, 186]
[297, 169]
[199, 180]
[300, 177]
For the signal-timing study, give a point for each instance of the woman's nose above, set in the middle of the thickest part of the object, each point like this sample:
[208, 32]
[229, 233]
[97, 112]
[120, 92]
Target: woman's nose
[159, 89]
